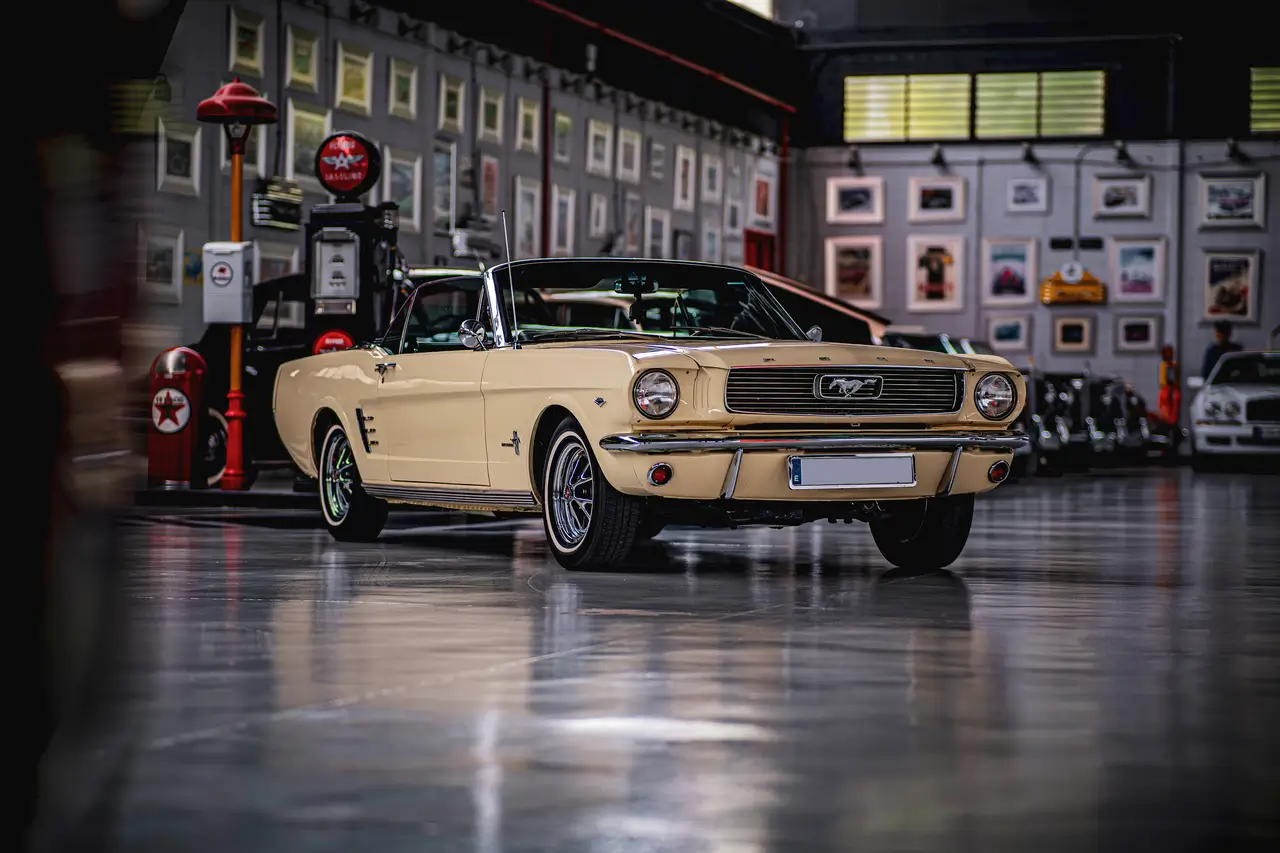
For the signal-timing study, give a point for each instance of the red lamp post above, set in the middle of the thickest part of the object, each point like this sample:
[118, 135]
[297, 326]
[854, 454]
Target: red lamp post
[238, 108]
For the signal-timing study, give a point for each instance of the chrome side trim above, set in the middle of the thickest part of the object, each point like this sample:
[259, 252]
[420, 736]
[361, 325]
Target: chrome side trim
[452, 496]
[731, 476]
[730, 442]
[949, 476]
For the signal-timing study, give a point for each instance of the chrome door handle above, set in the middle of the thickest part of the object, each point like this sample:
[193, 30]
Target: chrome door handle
[382, 367]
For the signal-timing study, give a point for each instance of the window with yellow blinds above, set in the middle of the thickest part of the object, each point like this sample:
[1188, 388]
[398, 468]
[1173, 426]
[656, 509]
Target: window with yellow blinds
[1008, 106]
[1264, 100]
[938, 106]
[1073, 103]
[875, 108]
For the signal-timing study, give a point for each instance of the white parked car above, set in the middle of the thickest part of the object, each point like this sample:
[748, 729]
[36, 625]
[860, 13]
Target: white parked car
[1237, 409]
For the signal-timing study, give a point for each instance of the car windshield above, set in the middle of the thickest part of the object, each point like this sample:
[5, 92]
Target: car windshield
[977, 347]
[666, 299]
[1261, 369]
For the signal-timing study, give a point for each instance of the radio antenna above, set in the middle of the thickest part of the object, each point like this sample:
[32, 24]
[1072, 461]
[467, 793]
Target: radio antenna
[506, 238]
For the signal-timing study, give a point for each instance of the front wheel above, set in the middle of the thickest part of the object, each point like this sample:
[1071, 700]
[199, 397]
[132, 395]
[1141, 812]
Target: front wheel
[349, 512]
[924, 535]
[589, 524]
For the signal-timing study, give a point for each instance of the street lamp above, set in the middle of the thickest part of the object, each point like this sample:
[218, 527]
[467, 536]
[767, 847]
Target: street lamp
[239, 109]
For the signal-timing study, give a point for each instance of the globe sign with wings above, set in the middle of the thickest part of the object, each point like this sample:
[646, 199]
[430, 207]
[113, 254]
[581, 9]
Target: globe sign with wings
[343, 160]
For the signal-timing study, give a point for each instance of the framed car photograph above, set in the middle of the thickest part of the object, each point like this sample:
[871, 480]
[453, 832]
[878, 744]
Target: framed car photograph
[1231, 285]
[936, 264]
[936, 199]
[1233, 201]
[1027, 195]
[1121, 196]
[1138, 334]
[1137, 269]
[1073, 335]
[1009, 273]
[1009, 333]
[855, 200]
[854, 270]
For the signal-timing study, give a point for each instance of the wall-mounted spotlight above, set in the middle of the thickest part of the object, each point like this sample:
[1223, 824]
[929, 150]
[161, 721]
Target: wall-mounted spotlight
[938, 159]
[1122, 154]
[1234, 153]
[1029, 155]
[854, 161]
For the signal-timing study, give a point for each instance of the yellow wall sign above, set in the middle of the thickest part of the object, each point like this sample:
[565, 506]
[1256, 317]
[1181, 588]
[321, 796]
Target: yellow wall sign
[1080, 287]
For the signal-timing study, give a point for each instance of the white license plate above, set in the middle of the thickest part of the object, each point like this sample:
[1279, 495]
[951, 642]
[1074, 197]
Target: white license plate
[859, 471]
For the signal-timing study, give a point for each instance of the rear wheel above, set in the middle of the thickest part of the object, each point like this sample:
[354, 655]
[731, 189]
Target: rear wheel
[350, 514]
[589, 524]
[924, 535]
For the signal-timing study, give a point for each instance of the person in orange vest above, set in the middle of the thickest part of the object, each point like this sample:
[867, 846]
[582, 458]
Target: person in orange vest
[1170, 401]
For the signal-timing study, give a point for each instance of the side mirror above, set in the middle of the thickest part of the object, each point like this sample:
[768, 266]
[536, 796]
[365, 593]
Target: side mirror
[1195, 382]
[472, 334]
[814, 333]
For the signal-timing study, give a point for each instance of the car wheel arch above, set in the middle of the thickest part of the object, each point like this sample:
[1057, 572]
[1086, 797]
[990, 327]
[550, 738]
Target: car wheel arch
[327, 416]
[543, 429]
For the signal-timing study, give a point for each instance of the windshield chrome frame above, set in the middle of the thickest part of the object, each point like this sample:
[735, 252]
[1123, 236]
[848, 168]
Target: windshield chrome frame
[497, 289]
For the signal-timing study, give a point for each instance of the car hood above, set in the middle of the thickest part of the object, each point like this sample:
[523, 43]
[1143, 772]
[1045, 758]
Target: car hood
[782, 353]
[1240, 392]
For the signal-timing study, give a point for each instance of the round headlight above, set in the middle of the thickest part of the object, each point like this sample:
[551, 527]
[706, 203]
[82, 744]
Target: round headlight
[994, 396]
[656, 393]
[1231, 409]
[1212, 408]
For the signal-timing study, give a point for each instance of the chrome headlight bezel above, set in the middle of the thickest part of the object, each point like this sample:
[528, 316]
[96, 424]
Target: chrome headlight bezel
[982, 387]
[637, 389]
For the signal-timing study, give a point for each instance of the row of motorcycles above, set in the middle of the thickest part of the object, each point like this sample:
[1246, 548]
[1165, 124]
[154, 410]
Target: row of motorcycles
[1079, 421]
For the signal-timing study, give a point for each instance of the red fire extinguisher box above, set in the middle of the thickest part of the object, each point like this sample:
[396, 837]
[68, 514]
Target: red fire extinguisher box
[177, 377]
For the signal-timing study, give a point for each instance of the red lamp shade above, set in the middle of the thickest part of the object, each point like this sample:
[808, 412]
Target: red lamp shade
[237, 103]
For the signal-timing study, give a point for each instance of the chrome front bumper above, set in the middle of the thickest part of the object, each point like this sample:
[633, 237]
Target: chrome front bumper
[1003, 440]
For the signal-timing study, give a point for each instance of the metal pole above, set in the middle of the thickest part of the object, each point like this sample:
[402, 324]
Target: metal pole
[233, 478]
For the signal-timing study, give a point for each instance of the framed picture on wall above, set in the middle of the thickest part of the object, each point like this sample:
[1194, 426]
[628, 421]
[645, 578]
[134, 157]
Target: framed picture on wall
[599, 148]
[1233, 201]
[1009, 333]
[855, 200]
[762, 194]
[1137, 269]
[936, 264]
[686, 178]
[1138, 334]
[936, 199]
[1027, 195]
[1121, 196]
[1231, 285]
[1009, 272]
[657, 232]
[1073, 335]
[854, 270]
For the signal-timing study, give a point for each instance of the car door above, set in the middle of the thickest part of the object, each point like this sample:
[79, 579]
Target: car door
[430, 407]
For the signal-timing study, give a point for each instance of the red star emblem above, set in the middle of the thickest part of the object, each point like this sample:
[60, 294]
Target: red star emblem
[169, 408]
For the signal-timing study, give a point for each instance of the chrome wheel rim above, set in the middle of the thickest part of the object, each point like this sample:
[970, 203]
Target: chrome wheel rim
[338, 471]
[572, 495]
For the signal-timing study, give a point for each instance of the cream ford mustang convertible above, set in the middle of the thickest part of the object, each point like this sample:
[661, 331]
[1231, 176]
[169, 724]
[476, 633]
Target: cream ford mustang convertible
[718, 411]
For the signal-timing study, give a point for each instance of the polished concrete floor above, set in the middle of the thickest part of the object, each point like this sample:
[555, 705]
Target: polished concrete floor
[1100, 672]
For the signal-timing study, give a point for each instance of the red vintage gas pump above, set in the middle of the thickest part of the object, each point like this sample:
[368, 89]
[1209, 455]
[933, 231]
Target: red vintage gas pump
[177, 376]
[1169, 403]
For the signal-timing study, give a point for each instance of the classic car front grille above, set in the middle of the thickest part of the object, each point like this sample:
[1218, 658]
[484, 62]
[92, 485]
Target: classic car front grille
[798, 391]
[1265, 410]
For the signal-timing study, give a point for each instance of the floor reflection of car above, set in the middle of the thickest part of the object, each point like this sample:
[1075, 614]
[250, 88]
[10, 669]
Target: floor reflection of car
[1236, 410]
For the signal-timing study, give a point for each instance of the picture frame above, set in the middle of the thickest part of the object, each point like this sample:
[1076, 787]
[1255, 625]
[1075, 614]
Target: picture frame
[272, 260]
[733, 223]
[1010, 271]
[712, 245]
[306, 126]
[683, 241]
[302, 59]
[402, 89]
[854, 270]
[1009, 333]
[491, 109]
[633, 223]
[657, 160]
[562, 137]
[940, 198]
[1231, 285]
[353, 80]
[1138, 334]
[160, 259]
[657, 232]
[490, 186]
[712, 179]
[599, 148]
[853, 200]
[528, 124]
[630, 154]
[1138, 268]
[686, 178]
[598, 215]
[402, 183]
[936, 265]
[178, 158]
[1028, 195]
[451, 108]
[244, 49]
[763, 196]
[1073, 335]
[528, 230]
[1122, 196]
[1233, 200]
[444, 186]
[563, 208]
